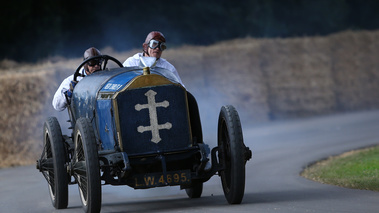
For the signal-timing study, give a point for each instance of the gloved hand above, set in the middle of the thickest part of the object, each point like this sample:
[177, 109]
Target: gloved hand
[68, 93]
[72, 85]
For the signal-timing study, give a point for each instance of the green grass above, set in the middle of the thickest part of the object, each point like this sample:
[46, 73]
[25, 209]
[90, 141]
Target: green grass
[357, 169]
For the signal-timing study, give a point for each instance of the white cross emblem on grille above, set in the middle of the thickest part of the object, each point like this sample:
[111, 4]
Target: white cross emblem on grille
[152, 106]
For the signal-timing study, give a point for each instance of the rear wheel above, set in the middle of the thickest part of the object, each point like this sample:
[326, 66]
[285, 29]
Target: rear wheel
[52, 163]
[231, 154]
[195, 190]
[86, 168]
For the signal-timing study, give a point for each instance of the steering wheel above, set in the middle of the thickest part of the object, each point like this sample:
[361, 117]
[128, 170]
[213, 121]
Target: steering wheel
[104, 57]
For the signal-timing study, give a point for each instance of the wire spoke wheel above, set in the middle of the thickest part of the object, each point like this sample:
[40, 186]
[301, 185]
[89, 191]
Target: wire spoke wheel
[52, 163]
[231, 154]
[86, 168]
[81, 175]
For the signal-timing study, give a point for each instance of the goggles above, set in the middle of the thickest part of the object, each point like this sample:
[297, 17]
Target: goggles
[154, 44]
[95, 62]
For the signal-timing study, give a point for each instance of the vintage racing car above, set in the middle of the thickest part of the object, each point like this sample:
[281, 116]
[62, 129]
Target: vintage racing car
[138, 126]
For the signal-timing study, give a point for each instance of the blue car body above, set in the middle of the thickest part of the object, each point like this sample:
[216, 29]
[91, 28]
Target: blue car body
[139, 119]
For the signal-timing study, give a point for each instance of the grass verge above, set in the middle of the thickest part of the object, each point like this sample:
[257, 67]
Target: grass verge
[358, 169]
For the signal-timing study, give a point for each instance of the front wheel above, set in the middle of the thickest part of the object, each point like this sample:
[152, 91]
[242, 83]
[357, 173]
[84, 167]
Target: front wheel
[231, 154]
[86, 169]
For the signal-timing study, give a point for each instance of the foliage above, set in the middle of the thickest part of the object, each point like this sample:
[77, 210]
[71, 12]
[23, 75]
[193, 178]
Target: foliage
[33, 30]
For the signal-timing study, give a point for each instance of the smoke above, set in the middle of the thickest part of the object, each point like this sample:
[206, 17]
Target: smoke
[210, 100]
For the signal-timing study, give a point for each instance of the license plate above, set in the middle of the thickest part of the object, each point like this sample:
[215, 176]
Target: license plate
[158, 179]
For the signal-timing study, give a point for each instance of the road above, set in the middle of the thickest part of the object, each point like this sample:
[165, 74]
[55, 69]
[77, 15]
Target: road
[280, 151]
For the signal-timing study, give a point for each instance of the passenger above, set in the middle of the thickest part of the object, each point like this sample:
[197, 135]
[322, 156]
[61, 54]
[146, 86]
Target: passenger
[64, 91]
[153, 47]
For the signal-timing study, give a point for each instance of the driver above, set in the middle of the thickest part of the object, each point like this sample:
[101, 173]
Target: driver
[64, 91]
[153, 47]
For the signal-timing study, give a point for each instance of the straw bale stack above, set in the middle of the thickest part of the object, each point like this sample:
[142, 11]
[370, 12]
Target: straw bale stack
[23, 98]
[266, 79]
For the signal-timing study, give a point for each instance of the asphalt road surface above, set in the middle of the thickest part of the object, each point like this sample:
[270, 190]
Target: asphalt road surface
[280, 151]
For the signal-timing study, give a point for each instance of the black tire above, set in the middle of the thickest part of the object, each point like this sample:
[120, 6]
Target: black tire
[52, 163]
[86, 169]
[231, 154]
[195, 190]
